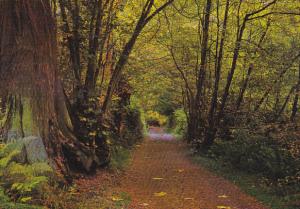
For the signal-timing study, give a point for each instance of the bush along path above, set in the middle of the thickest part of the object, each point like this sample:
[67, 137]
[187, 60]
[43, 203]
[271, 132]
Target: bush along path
[161, 176]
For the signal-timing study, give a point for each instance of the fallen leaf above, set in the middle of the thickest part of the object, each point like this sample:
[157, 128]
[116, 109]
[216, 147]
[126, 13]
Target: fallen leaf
[188, 198]
[160, 194]
[223, 207]
[93, 133]
[26, 199]
[157, 178]
[116, 199]
[223, 196]
[180, 170]
[83, 119]
[144, 204]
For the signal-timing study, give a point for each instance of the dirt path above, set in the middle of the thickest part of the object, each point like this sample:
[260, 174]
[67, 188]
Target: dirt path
[162, 177]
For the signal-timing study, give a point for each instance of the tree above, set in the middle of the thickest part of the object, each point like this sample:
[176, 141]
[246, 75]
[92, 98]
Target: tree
[241, 50]
[28, 71]
[97, 58]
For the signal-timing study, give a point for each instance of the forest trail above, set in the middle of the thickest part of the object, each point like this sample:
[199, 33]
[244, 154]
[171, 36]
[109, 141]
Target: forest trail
[161, 176]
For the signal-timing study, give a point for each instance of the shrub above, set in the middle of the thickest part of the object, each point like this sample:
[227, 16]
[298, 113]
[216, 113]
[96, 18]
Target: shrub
[119, 157]
[256, 153]
[134, 129]
[135, 104]
[179, 122]
[155, 118]
[126, 126]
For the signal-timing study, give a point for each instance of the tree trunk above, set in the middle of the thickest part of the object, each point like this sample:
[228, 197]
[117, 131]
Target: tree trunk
[211, 130]
[244, 87]
[296, 99]
[250, 69]
[285, 102]
[28, 67]
[204, 49]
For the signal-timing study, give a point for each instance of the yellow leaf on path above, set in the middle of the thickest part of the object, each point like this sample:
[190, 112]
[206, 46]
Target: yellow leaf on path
[223, 196]
[116, 199]
[223, 207]
[180, 170]
[157, 178]
[160, 194]
[188, 198]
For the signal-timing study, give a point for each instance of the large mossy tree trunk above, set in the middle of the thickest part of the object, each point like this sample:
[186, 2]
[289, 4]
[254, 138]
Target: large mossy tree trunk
[28, 71]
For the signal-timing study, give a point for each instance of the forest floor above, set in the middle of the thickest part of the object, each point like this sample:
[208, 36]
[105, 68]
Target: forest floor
[161, 175]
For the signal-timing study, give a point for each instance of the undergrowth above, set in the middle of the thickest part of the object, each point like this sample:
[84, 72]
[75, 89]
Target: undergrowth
[6, 203]
[249, 183]
[120, 158]
[26, 185]
[179, 123]
[260, 165]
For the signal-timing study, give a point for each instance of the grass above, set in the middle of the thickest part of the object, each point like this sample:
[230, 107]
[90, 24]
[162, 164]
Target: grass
[120, 158]
[249, 183]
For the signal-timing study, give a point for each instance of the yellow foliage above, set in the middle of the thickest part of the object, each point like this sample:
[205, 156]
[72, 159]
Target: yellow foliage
[155, 116]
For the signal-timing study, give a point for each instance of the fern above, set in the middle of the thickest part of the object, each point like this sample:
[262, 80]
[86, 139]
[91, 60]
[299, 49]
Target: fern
[29, 185]
[6, 160]
[23, 182]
